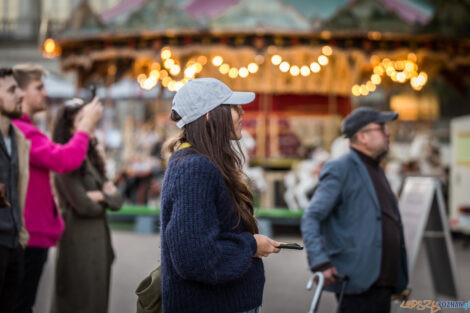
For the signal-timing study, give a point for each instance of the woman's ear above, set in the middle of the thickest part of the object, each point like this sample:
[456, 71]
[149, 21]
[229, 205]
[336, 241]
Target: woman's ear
[207, 116]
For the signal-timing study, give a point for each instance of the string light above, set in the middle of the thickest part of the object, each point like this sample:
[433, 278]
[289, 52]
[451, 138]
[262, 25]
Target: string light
[323, 60]
[294, 70]
[315, 67]
[171, 68]
[50, 49]
[243, 72]
[234, 72]
[276, 59]
[304, 70]
[217, 60]
[253, 68]
[224, 68]
[400, 71]
[284, 66]
[327, 50]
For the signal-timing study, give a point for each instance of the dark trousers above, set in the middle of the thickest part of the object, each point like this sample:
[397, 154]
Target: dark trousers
[11, 272]
[34, 260]
[374, 300]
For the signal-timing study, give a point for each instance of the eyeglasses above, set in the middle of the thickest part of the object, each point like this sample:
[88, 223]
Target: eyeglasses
[382, 128]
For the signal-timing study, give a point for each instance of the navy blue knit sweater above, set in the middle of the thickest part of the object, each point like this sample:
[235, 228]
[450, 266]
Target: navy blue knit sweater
[207, 266]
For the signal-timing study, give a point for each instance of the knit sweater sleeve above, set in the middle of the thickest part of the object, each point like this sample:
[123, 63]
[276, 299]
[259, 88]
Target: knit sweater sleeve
[199, 250]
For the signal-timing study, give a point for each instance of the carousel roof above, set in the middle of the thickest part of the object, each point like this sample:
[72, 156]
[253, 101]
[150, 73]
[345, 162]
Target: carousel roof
[398, 16]
[243, 31]
[261, 15]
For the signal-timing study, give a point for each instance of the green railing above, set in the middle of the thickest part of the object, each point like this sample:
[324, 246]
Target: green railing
[259, 212]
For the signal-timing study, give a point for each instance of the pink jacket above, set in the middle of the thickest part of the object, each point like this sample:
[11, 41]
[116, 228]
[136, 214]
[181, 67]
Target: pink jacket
[42, 218]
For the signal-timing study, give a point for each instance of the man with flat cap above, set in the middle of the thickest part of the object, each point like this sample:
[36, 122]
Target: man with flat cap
[352, 226]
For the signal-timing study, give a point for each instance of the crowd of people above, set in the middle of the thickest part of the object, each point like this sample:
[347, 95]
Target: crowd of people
[30, 221]
[211, 249]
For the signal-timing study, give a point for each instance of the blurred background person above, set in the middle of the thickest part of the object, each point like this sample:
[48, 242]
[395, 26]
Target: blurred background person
[42, 219]
[85, 252]
[352, 226]
[14, 150]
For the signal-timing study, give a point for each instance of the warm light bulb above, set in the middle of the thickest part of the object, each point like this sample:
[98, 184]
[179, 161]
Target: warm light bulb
[166, 53]
[163, 74]
[224, 68]
[356, 90]
[364, 90]
[166, 81]
[243, 72]
[190, 72]
[155, 73]
[175, 70]
[217, 60]
[304, 70]
[326, 50]
[253, 68]
[141, 78]
[276, 59]
[284, 66]
[375, 78]
[323, 60]
[203, 60]
[401, 77]
[169, 63]
[370, 86]
[49, 45]
[156, 66]
[294, 70]
[315, 67]
[233, 73]
[379, 70]
[198, 67]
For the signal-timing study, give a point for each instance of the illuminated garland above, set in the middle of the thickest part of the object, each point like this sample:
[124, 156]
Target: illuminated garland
[399, 71]
[304, 70]
[171, 68]
[234, 72]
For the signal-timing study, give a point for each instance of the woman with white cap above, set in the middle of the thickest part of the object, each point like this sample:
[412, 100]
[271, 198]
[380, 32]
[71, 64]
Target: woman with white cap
[211, 249]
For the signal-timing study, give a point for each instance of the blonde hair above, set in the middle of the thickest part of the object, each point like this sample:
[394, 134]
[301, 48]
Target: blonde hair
[25, 73]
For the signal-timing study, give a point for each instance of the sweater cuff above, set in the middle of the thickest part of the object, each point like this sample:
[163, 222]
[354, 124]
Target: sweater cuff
[322, 267]
[82, 135]
[253, 244]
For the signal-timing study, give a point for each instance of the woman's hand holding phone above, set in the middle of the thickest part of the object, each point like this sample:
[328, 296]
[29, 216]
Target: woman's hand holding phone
[266, 246]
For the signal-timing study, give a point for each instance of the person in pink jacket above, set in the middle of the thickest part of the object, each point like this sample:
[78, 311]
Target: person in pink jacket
[42, 217]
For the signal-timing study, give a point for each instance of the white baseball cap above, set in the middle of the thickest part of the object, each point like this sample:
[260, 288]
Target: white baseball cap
[201, 95]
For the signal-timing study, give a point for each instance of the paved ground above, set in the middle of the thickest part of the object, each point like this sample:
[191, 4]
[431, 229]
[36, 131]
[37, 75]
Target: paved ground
[286, 276]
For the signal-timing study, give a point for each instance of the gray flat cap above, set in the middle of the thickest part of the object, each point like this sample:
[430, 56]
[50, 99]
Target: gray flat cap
[360, 117]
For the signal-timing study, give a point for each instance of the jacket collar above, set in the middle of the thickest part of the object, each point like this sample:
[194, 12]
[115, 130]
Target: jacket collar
[365, 177]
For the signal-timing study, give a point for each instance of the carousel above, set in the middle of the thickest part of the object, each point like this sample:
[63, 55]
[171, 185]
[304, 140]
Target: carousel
[309, 63]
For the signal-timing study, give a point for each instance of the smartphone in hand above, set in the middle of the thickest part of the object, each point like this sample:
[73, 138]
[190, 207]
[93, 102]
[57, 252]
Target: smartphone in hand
[290, 245]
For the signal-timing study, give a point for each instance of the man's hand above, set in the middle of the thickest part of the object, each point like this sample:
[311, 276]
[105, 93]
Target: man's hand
[95, 195]
[329, 278]
[91, 115]
[3, 196]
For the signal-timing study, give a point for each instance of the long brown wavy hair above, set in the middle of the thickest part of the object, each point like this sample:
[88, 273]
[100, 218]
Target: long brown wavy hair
[212, 138]
[62, 133]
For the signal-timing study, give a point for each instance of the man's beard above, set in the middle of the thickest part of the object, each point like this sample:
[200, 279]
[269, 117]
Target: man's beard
[12, 114]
